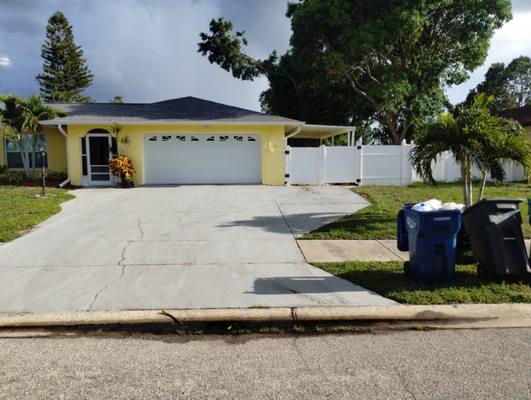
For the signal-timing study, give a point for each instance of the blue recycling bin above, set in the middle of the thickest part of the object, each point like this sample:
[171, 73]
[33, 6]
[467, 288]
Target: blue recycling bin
[432, 237]
[402, 243]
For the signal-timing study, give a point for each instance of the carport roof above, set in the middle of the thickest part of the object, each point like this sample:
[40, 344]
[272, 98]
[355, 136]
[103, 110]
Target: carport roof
[311, 131]
[175, 111]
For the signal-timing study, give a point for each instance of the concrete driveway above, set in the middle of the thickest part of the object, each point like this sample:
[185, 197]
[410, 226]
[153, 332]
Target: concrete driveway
[178, 247]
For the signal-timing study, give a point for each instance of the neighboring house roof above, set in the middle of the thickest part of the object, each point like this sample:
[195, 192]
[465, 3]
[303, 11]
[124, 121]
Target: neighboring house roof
[175, 111]
[520, 114]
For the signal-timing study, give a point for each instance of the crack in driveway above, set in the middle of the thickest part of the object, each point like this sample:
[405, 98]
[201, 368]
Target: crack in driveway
[139, 224]
[122, 273]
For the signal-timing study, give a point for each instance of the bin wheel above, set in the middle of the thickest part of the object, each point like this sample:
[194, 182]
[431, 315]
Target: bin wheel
[408, 271]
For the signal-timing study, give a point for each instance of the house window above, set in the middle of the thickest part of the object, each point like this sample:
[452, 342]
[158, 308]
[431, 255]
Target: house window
[14, 159]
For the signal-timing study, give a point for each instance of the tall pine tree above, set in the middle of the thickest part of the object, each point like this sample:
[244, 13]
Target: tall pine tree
[65, 75]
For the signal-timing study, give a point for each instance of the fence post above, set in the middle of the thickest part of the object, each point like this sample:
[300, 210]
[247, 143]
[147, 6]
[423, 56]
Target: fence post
[406, 171]
[359, 148]
[287, 162]
[322, 165]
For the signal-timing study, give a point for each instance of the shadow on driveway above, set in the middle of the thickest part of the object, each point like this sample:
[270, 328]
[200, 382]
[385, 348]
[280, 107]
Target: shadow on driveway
[296, 223]
[304, 284]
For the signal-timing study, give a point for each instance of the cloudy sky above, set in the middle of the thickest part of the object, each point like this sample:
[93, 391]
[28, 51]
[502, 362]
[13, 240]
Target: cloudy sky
[146, 50]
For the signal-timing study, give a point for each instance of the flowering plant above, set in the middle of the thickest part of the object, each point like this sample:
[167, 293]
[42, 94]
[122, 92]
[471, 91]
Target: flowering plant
[122, 166]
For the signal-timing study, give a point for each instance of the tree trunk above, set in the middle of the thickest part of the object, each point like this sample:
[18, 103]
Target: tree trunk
[464, 183]
[33, 172]
[469, 175]
[466, 178]
[23, 148]
[482, 185]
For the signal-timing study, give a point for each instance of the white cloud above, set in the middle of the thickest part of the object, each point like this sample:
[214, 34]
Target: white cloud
[5, 62]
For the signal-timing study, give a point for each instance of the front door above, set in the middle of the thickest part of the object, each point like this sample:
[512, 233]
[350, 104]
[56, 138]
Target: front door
[99, 151]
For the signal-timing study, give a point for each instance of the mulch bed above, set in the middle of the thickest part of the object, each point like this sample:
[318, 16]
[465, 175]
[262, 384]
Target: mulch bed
[36, 183]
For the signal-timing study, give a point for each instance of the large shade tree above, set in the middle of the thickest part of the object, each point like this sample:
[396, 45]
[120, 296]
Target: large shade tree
[509, 85]
[475, 138]
[358, 60]
[65, 75]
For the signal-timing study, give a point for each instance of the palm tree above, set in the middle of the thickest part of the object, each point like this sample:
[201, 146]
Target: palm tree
[475, 138]
[19, 119]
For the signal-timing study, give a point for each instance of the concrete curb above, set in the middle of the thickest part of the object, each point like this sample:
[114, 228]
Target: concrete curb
[437, 316]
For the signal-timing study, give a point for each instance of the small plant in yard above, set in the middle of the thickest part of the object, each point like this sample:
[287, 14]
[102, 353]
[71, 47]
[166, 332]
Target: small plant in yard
[122, 167]
[123, 140]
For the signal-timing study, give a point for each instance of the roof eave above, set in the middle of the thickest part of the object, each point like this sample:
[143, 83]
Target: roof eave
[172, 122]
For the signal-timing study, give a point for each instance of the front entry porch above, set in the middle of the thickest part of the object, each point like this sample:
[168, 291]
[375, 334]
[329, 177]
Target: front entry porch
[97, 147]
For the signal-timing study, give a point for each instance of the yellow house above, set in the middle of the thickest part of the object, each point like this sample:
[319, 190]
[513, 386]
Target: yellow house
[180, 141]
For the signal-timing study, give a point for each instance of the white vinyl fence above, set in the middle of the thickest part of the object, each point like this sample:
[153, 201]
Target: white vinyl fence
[369, 165]
[445, 169]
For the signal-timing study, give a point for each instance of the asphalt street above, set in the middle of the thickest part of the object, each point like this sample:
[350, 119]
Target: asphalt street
[458, 364]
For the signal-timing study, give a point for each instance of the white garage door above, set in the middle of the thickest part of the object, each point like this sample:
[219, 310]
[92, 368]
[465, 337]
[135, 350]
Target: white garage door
[189, 158]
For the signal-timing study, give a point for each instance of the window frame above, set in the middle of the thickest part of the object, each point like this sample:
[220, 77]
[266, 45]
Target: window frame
[17, 151]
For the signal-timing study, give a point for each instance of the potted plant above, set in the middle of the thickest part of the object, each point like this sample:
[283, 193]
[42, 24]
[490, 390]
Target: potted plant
[121, 165]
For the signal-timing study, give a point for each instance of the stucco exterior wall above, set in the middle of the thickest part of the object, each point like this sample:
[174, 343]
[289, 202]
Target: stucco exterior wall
[271, 139]
[56, 144]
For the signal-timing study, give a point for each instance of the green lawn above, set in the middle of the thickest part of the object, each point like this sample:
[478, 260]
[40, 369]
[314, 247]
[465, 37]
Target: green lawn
[378, 221]
[20, 210]
[388, 279]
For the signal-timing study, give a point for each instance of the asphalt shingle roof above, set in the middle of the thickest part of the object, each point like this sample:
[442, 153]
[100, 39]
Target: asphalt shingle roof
[184, 109]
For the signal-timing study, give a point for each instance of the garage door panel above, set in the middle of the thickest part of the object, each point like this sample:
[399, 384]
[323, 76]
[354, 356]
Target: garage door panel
[222, 159]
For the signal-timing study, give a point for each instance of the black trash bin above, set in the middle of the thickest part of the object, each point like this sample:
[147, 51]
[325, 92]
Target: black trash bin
[494, 227]
[402, 242]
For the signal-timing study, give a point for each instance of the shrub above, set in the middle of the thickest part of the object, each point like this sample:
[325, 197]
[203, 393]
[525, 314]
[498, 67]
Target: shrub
[56, 175]
[122, 167]
[12, 177]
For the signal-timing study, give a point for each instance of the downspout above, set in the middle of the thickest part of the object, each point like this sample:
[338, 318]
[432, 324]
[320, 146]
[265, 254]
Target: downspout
[295, 131]
[67, 180]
